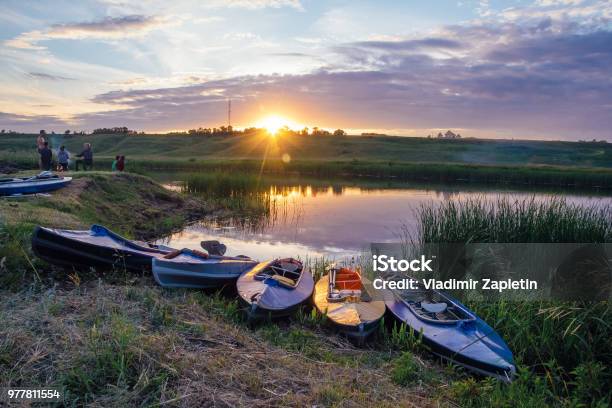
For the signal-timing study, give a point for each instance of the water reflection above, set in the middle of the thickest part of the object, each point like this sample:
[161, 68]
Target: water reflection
[332, 220]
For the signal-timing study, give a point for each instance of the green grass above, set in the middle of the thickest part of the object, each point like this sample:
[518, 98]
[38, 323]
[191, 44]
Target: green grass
[559, 346]
[129, 204]
[343, 148]
[526, 163]
[116, 359]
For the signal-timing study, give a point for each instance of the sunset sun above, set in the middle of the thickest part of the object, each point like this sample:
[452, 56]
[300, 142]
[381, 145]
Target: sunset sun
[273, 123]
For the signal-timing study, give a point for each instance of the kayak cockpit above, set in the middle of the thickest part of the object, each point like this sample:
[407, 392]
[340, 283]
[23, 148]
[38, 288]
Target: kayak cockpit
[345, 285]
[281, 272]
[434, 307]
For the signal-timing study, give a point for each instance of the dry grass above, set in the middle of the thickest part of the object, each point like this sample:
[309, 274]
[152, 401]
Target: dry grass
[134, 345]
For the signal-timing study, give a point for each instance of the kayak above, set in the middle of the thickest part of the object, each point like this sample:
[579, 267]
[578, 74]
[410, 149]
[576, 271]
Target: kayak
[44, 182]
[346, 299]
[452, 331]
[275, 289]
[195, 269]
[96, 247]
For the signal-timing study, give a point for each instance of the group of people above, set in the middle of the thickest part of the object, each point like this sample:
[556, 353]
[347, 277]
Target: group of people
[63, 157]
[118, 163]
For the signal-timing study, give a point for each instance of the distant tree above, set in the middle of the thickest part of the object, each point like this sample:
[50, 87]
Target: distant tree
[2, 131]
[339, 132]
[319, 132]
[67, 132]
[304, 132]
[113, 131]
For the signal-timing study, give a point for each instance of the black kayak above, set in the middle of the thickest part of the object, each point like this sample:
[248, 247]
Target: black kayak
[96, 247]
[275, 288]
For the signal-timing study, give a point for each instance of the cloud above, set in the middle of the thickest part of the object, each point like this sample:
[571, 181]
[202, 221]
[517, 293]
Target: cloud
[108, 28]
[24, 122]
[533, 77]
[508, 79]
[411, 45]
[259, 4]
[51, 77]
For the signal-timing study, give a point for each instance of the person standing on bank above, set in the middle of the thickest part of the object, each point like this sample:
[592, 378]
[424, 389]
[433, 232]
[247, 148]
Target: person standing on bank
[121, 163]
[45, 157]
[40, 145]
[87, 158]
[62, 158]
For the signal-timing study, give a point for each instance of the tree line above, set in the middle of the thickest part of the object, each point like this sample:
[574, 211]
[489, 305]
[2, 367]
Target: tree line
[215, 131]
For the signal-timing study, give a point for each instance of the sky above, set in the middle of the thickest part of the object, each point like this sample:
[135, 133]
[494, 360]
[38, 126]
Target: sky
[502, 69]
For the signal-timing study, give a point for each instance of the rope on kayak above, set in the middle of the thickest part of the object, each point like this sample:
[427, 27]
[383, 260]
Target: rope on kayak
[478, 338]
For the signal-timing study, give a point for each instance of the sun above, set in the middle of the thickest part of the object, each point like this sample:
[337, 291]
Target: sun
[273, 123]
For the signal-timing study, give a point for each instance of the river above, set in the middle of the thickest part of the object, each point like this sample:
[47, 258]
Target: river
[338, 220]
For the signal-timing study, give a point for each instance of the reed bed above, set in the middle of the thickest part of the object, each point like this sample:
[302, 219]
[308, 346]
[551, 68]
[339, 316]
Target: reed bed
[506, 220]
[238, 192]
[562, 349]
[542, 176]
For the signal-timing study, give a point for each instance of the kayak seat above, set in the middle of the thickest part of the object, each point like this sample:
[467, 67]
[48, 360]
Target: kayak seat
[434, 307]
[344, 295]
[284, 281]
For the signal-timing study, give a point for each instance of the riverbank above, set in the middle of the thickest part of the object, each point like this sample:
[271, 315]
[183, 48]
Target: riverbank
[122, 340]
[129, 204]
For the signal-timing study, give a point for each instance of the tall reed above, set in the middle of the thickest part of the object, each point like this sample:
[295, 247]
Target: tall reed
[565, 346]
[506, 220]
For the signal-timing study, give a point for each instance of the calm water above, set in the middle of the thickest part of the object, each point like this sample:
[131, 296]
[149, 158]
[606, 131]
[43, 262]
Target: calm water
[334, 222]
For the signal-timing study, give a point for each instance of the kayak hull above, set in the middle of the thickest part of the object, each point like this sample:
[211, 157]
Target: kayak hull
[97, 247]
[355, 320]
[25, 186]
[473, 345]
[263, 299]
[188, 270]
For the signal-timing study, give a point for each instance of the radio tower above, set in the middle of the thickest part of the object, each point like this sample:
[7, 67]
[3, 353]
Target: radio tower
[229, 113]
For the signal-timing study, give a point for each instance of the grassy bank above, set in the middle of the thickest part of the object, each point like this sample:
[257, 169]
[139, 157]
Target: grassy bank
[140, 346]
[132, 205]
[330, 148]
[113, 340]
[520, 163]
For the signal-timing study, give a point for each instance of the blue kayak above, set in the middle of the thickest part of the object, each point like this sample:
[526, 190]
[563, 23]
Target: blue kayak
[189, 268]
[41, 183]
[275, 288]
[453, 332]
